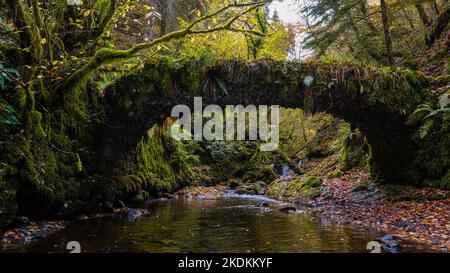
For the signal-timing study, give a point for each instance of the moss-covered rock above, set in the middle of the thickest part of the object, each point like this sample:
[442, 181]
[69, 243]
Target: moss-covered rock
[311, 182]
[255, 188]
[304, 187]
[234, 183]
[311, 193]
[362, 186]
[353, 152]
[162, 165]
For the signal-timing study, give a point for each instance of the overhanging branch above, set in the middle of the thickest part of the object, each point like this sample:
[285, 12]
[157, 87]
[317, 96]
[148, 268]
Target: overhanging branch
[108, 56]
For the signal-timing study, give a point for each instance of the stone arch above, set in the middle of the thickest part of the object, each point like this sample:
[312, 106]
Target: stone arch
[377, 101]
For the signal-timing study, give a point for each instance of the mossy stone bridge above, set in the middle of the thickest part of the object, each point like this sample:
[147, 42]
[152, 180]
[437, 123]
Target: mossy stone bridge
[379, 102]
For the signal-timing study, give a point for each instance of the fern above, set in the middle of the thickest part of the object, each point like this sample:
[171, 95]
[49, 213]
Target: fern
[8, 115]
[437, 112]
[6, 74]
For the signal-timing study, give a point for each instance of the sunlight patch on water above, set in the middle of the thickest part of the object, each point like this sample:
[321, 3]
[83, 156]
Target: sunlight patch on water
[262, 198]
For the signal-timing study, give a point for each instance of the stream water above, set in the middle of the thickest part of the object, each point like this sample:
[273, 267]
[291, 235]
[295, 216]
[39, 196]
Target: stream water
[229, 224]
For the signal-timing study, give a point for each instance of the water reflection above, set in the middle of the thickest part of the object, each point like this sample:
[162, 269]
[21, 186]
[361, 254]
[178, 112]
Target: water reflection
[230, 224]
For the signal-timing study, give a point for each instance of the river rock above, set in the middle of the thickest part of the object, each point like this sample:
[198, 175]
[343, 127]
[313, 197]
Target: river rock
[256, 188]
[390, 243]
[243, 190]
[392, 247]
[83, 217]
[132, 214]
[234, 183]
[288, 209]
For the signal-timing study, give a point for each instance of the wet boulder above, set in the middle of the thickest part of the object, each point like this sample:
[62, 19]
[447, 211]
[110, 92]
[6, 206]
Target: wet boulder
[390, 243]
[288, 209]
[132, 214]
[234, 183]
[256, 188]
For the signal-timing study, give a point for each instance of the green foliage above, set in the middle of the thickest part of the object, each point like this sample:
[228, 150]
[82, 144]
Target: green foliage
[354, 28]
[238, 46]
[7, 74]
[40, 182]
[8, 115]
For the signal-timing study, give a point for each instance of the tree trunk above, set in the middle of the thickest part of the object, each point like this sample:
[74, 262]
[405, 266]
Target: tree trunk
[439, 27]
[387, 31]
[423, 15]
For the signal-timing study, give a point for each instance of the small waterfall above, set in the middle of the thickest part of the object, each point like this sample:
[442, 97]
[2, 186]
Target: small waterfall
[284, 177]
[284, 172]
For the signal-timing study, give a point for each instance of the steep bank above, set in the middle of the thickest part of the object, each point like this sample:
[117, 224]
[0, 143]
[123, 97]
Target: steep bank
[336, 183]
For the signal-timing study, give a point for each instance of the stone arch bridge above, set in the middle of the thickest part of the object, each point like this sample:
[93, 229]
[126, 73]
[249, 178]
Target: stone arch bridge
[379, 102]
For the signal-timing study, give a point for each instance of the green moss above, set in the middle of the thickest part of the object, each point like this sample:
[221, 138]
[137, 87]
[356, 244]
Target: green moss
[305, 187]
[166, 81]
[312, 182]
[432, 159]
[234, 183]
[353, 152]
[261, 173]
[362, 186]
[49, 176]
[193, 81]
[311, 193]
[42, 187]
[336, 174]
[163, 164]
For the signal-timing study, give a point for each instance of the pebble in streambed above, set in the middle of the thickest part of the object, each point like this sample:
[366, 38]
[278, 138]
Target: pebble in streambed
[288, 209]
[390, 243]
